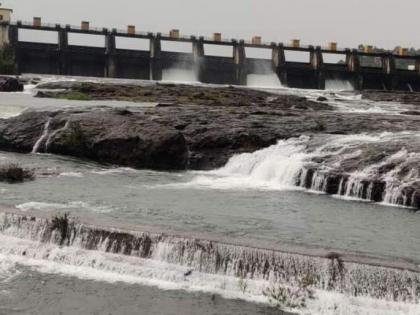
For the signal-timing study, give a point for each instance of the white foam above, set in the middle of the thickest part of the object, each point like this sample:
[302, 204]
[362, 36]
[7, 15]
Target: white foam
[46, 206]
[100, 266]
[117, 170]
[9, 111]
[107, 267]
[269, 80]
[338, 85]
[179, 75]
[71, 174]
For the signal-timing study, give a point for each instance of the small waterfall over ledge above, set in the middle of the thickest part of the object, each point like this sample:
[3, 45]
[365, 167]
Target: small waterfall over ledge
[43, 136]
[370, 167]
[333, 272]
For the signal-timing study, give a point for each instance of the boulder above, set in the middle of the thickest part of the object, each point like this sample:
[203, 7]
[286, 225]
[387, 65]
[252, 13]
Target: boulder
[10, 84]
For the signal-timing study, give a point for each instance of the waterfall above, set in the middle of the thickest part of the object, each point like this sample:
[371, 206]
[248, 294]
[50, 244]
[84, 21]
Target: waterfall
[278, 165]
[269, 80]
[410, 88]
[317, 165]
[54, 133]
[264, 76]
[43, 136]
[354, 276]
[180, 72]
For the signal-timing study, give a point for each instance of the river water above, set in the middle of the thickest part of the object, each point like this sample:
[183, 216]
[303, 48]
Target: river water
[261, 209]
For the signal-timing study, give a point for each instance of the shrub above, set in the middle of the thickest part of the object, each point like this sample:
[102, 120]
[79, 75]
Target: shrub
[281, 296]
[13, 173]
[242, 284]
[61, 224]
[74, 138]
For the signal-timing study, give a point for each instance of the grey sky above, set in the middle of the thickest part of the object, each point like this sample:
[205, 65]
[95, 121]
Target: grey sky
[384, 23]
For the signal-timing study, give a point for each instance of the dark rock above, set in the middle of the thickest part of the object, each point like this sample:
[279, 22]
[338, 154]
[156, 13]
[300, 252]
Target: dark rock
[10, 84]
[378, 189]
[411, 112]
[333, 183]
[165, 104]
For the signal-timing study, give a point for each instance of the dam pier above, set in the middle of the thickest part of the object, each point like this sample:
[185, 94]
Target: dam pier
[63, 58]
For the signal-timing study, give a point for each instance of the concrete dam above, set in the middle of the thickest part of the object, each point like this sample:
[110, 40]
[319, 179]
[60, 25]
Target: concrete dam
[63, 58]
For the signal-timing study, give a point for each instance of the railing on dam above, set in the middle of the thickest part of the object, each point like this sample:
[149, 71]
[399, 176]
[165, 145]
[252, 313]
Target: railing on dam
[364, 69]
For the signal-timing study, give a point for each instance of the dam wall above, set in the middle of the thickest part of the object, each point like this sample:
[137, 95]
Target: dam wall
[111, 61]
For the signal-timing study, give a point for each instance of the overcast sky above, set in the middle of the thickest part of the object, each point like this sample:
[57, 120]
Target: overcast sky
[384, 23]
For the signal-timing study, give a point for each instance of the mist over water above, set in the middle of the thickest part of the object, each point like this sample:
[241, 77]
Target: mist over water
[338, 85]
[179, 75]
[270, 80]
[263, 76]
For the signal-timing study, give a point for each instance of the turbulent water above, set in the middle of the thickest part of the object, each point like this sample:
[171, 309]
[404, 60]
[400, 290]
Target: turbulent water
[293, 162]
[261, 224]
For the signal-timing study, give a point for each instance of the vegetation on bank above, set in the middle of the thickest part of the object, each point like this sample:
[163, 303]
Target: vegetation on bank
[74, 96]
[13, 173]
[7, 61]
[74, 137]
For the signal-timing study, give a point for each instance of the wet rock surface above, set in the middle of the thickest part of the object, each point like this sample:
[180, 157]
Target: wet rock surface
[392, 96]
[202, 127]
[10, 84]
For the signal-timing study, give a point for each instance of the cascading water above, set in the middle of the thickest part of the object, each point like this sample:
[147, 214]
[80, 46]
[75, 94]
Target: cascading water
[338, 85]
[181, 73]
[43, 136]
[269, 80]
[264, 77]
[328, 165]
[51, 135]
[214, 265]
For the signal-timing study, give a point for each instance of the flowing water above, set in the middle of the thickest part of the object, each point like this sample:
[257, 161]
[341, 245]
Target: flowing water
[206, 242]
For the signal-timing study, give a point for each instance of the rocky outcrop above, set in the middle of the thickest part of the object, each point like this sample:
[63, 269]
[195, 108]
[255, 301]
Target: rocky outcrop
[412, 98]
[10, 84]
[181, 136]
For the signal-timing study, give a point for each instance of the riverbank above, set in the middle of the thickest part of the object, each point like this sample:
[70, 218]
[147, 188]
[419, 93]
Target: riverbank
[367, 155]
[243, 194]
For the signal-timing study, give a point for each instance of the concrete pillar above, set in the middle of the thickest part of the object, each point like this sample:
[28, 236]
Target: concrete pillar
[110, 52]
[389, 68]
[278, 59]
[14, 34]
[197, 47]
[353, 66]
[198, 57]
[155, 54]
[239, 55]
[13, 42]
[353, 61]
[316, 61]
[63, 37]
[348, 58]
[62, 51]
[239, 58]
[277, 56]
[155, 46]
[388, 64]
[4, 35]
[417, 65]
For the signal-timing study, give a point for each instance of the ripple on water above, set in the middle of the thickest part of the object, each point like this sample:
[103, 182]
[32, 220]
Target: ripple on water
[47, 206]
